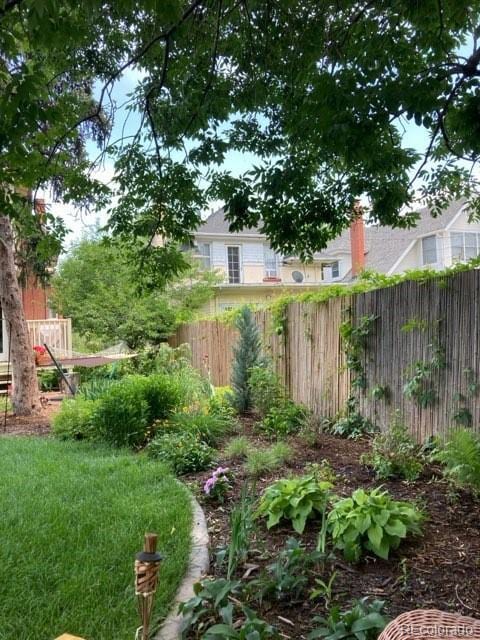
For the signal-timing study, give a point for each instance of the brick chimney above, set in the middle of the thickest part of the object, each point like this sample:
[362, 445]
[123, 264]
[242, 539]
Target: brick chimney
[357, 240]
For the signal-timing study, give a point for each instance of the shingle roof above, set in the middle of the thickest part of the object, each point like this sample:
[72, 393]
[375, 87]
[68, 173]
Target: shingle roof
[383, 245]
[217, 224]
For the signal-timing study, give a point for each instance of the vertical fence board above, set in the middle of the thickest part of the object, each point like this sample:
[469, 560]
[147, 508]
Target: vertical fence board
[309, 355]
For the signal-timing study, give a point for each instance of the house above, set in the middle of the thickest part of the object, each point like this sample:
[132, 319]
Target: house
[42, 324]
[254, 273]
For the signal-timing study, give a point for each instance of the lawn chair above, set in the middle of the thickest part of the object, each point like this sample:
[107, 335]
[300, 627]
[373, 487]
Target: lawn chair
[424, 624]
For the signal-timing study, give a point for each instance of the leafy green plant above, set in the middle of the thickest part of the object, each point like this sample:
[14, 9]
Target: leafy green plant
[352, 425]
[294, 499]
[183, 452]
[364, 621]
[215, 613]
[48, 379]
[283, 420]
[322, 471]
[394, 453]
[74, 420]
[220, 404]
[419, 386]
[324, 589]
[355, 338]
[128, 408]
[266, 389]
[371, 521]
[95, 388]
[238, 448]
[463, 417]
[241, 528]
[260, 461]
[461, 457]
[246, 355]
[208, 427]
[289, 575]
[380, 392]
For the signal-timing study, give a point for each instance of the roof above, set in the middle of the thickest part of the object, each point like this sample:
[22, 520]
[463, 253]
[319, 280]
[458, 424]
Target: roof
[383, 245]
[217, 224]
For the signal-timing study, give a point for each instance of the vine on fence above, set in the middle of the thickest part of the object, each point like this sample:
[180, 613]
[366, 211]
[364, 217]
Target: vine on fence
[354, 338]
[419, 387]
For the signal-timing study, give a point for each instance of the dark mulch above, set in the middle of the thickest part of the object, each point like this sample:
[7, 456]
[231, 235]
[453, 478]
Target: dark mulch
[439, 570]
[31, 425]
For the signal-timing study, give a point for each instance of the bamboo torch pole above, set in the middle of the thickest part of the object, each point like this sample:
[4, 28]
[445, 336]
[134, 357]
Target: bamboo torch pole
[147, 564]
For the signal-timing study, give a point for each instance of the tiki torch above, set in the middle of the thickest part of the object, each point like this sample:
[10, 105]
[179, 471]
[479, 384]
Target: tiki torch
[147, 564]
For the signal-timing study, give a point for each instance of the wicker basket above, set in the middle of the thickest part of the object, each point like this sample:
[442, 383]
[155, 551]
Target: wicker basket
[425, 624]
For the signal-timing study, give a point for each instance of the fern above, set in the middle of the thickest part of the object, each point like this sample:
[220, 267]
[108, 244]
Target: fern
[461, 456]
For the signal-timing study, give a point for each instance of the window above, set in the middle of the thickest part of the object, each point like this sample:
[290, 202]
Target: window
[204, 254]
[464, 246]
[330, 270]
[233, 264]
[228, 306]
[429, 249]
[270, 259]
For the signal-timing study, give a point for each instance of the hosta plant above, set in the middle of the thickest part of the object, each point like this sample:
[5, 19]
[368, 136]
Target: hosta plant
[294, 499]
[364, 621]
[371, 521]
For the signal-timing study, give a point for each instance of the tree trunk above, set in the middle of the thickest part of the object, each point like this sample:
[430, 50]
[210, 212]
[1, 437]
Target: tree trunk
[26, 396]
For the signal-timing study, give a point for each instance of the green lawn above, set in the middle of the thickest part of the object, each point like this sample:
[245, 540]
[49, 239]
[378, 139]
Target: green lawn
[72, 517]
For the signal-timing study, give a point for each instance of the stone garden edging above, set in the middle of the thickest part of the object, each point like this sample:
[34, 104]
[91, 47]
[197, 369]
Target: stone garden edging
[198, 565]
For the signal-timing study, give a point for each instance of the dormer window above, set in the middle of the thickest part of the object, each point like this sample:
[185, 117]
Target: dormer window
[330, 270]
[429, 250]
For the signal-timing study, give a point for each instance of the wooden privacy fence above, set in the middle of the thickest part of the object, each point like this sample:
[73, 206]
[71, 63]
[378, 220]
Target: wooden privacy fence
[414, 323]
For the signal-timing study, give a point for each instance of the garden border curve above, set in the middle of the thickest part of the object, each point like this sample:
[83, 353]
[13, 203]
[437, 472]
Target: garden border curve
[198, 565]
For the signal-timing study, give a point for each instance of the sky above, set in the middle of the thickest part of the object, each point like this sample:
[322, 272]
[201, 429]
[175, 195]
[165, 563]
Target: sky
[127, 124]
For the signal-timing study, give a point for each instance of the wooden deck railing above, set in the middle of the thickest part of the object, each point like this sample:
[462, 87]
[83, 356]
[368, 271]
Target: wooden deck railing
[56, 332]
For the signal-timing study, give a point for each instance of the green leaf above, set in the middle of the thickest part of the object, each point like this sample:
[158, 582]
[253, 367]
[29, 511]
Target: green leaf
[375, 535]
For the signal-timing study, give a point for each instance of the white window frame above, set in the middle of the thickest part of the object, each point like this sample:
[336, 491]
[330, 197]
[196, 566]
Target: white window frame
[240, 263]
[330, 266]
[424, 262]
[463, 257]
[269, 271]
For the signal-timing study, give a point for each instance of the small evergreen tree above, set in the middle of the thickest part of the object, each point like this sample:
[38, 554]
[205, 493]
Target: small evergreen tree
[246, 354]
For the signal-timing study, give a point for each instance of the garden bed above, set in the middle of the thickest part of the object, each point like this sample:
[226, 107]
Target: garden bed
[440, 569]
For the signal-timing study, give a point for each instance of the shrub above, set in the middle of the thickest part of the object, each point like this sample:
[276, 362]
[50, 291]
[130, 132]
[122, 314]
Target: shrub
[238, 448]
[220, 404]
[128, 408]
[48, 379]
[266, 389]
[74, 420]
[246, 354]
[371, 521]
[394, 454]
[364, 621]
[209, 428]
[264, 460]
[283, 420]
[184, 452]
[95, 388]
[294, 499]
[352, 425]
[461, 456]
